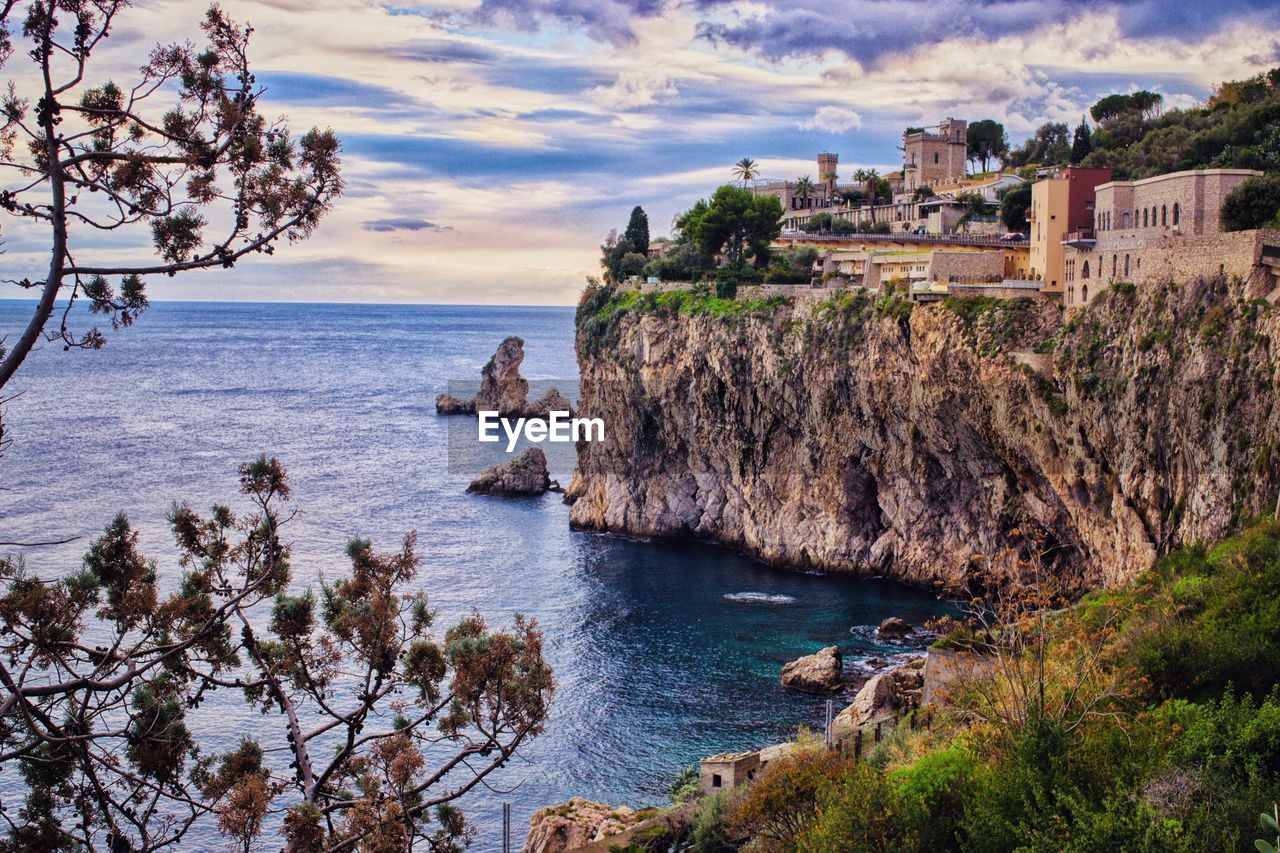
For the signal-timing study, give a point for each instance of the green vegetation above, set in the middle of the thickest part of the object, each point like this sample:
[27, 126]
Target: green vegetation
[986, 141]
[1253, 204]
[735, 223]
[1143, 719]
[1014, 205]
[1239, 127]
[991, 323]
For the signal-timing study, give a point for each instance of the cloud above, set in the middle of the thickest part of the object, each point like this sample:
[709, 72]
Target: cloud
[633, 89]
[604, 20]
[832, 120]
[384, 226]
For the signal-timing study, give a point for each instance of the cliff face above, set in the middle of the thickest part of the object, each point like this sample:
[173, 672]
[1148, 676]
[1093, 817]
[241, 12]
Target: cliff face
[848, 435]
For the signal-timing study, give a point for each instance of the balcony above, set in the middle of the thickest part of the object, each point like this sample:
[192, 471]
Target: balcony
[1082, 239]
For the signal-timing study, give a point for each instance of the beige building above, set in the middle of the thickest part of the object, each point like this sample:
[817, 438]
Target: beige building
[1163, 227]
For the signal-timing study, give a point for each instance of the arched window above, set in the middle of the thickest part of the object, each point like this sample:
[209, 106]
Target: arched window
[1084, 273]
[935, 157]
[1084, 293]
[1144, 217]
[1126, 266]
[1177, 212]
[1115, 259]
[1164, 215]
[1124, 220]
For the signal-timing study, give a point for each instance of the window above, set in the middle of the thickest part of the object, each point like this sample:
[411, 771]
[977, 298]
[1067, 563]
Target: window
[1126, 266]
[935, 157]
[1114, 261]
[1084, 273]
[1144, 217]
[1177, 212]
[716, 781]
[1084, 293]
[1164, 215]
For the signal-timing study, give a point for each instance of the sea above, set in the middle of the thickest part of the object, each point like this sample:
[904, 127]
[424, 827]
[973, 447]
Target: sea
[664, 652]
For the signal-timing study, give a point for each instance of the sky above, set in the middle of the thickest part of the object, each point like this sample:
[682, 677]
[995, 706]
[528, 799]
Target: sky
[490, 145]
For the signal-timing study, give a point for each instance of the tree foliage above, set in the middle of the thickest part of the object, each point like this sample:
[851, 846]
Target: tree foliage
[636, 237]
[383, 722]
[1014, 204]
[1255, 203]
[735, 222]
[84, 158]
[1050, 145]
[986, 141]
[1081, 143]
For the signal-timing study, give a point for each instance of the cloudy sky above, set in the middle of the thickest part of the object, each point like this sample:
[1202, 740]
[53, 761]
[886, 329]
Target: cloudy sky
[489, 146]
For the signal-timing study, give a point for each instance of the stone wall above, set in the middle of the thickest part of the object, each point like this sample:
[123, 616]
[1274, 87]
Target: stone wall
[966, 266]
[1120, 256]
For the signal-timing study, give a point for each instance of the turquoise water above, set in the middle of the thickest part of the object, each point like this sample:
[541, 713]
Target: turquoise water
[664, 652]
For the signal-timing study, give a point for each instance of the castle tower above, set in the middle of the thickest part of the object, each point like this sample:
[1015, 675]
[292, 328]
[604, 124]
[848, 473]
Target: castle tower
[932, 158]
[827, 169]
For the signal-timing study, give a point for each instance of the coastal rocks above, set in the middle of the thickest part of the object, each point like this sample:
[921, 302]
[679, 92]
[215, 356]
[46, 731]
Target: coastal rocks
[525, 475]
[884, 697]
[893, 628]
[821, 672]
[575, 824]
[831, 434]
[504, 390]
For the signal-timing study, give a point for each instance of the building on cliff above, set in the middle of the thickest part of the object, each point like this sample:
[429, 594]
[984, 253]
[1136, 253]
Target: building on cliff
[1060, 205]
[925, 196]
[1163, 227]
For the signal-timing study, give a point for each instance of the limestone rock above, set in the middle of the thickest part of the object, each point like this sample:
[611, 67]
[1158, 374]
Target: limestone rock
[821, 672]
[575, 824]
[824, 435]
[502, 388]
[447, 404]
[552, 401]
[525, 475]
[893, 628]
[885, 696]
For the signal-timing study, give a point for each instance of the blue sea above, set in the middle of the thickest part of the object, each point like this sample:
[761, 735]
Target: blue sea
[664, 652]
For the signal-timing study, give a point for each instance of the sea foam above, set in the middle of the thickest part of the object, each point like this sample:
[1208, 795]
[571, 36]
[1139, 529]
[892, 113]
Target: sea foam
[759, 598]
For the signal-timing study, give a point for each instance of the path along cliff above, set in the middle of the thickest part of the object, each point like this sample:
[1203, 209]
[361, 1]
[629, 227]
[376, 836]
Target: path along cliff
[851, 432]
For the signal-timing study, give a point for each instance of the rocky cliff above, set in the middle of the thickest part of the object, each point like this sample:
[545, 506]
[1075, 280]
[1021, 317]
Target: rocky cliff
[862, 434]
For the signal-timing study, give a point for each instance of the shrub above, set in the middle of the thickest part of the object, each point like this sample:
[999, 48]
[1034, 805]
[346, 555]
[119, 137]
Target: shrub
[1255, 203]
[937, 786]
[783, 801]
[859, 809]
[707, 827]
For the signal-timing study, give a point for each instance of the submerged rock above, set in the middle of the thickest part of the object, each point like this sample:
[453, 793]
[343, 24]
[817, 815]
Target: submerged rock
[525, 475]
[575, 824]
[893, 628]
[447, 404]
[552, 401]
[821, 672]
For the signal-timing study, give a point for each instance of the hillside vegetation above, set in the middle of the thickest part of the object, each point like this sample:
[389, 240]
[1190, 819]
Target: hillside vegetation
[1143, 719]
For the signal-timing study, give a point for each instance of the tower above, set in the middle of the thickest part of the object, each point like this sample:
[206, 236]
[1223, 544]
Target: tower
[827, 170]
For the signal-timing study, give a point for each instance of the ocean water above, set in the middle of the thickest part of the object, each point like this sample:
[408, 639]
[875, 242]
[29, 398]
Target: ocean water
[664, 651]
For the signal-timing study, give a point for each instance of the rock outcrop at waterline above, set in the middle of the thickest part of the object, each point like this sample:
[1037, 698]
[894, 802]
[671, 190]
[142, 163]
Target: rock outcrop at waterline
[866, 436]
[504, 390]
[525, 475]
[820, 672]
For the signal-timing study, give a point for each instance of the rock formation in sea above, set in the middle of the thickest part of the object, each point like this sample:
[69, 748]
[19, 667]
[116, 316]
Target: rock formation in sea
[525, 475]
[857, 433]
[504, 390]
[893, 628]
[821, 672]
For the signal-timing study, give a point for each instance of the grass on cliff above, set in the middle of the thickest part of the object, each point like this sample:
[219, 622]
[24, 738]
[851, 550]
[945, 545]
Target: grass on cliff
[601, 309]
[1155, 727]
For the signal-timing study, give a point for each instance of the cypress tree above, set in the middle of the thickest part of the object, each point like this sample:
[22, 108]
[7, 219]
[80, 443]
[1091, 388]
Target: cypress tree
[636, 237]
[1083, 142]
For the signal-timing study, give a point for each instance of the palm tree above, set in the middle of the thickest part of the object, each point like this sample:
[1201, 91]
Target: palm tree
[746, 170]
[869, 178]
[805, 188]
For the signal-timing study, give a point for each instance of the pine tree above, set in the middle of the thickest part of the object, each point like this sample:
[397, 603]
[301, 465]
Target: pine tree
[1083, 142]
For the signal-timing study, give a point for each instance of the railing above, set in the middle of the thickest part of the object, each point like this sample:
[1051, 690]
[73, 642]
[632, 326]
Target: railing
[905, 237]
[1079, 236]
